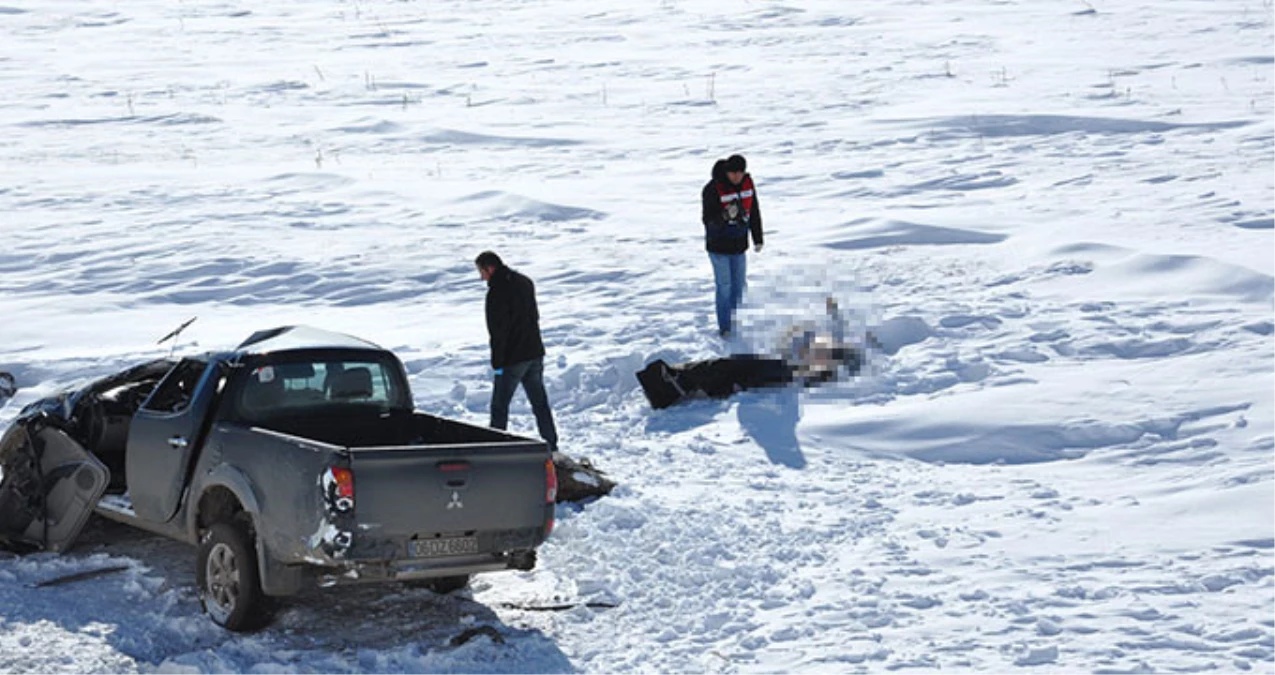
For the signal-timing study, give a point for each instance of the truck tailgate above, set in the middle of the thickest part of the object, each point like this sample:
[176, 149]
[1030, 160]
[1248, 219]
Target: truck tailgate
[449, 489]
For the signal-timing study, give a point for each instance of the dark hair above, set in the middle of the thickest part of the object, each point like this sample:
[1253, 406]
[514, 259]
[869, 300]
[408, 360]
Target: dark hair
[736, 163]
[488, 259]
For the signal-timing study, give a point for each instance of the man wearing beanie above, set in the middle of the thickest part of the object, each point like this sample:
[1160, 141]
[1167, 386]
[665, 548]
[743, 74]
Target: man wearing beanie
[731, 214]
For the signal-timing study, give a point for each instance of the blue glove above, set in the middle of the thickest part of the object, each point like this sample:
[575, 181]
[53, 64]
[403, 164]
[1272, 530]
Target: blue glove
[500, 371]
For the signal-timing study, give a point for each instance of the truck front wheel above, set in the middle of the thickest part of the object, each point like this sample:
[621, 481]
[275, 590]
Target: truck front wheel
[226, 573]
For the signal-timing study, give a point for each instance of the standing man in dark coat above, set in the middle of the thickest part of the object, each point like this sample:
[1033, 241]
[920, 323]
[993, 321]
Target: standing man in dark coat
[731, 214]
[517, 353]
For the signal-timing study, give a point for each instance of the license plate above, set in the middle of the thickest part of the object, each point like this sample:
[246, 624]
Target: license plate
[433, 548]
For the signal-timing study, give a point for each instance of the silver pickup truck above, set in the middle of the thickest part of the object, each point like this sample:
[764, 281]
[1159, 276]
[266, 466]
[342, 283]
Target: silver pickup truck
[296, 459]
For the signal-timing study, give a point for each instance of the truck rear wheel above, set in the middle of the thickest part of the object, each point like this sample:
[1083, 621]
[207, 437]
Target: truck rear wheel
[227, 577]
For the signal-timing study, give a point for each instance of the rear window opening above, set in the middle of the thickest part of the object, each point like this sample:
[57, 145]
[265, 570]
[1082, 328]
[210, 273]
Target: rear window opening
[270, 391]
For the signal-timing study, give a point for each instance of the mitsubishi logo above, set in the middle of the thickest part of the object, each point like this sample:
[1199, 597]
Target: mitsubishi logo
[455, 503]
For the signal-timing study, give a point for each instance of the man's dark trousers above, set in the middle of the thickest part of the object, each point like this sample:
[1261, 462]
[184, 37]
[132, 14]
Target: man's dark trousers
[531, 375]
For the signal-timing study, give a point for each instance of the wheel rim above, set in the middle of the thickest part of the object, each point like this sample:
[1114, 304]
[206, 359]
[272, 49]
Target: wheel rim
[222, 574]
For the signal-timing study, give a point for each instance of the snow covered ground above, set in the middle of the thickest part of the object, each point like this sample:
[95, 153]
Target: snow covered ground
[1056, 216]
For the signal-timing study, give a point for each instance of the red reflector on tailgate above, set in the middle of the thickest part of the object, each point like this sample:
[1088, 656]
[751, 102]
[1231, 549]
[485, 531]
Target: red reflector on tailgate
[453, 466]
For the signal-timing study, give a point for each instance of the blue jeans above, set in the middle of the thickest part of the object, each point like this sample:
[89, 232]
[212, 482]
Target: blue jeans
[531, 375]
[728, 273]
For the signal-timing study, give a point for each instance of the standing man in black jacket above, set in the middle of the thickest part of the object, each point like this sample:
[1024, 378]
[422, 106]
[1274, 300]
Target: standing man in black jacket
[517, 353]
[731, 214]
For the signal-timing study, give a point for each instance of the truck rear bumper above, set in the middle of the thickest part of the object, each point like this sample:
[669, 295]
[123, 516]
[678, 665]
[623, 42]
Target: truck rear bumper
[409, 570]
[291, 579]
[377, 571]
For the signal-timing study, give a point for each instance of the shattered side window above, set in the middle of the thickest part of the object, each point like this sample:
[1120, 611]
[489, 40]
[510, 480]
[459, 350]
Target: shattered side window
[173, 393]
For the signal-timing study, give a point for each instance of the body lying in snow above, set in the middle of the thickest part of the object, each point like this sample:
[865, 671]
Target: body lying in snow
[809, 354]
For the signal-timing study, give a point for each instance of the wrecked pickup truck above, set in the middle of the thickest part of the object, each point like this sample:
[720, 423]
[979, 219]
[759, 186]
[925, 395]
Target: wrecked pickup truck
[296, 459]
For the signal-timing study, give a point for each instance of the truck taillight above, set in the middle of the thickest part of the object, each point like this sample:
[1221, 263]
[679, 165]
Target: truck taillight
[344, 482]
[339, 487]
[551, 482]
[551, 494]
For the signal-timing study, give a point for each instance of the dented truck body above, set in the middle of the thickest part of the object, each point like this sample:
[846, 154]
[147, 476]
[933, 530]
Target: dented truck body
[295, 460]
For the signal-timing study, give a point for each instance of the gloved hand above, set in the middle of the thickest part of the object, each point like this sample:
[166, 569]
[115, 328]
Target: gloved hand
[498, 372]
[757, 248]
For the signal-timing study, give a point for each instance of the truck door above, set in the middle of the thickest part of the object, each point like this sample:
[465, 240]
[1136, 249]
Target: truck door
[164, 437]
[48, 485]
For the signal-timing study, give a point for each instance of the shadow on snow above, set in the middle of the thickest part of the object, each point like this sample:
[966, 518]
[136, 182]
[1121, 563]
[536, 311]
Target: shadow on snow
[150, 612]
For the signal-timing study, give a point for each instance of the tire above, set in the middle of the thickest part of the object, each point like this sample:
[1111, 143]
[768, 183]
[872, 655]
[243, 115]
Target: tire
[228, 580]
[443, 585]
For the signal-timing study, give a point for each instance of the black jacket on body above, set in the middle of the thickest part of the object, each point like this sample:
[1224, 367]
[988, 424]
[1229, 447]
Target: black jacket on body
[665, 384]
[722, 232]
[513, 321]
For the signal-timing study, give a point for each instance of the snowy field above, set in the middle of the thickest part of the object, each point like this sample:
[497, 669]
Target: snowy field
[1056, 216]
